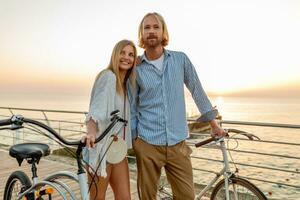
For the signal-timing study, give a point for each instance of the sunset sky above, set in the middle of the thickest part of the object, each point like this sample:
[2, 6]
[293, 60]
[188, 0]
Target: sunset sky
[58, 46]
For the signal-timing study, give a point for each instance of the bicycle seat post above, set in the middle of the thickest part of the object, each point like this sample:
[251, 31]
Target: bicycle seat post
[33, 162]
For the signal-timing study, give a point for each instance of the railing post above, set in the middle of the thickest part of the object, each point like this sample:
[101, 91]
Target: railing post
[48, 123]
[59, 129]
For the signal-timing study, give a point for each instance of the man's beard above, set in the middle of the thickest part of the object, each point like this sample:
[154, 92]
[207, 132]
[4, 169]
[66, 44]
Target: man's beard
[154, 42]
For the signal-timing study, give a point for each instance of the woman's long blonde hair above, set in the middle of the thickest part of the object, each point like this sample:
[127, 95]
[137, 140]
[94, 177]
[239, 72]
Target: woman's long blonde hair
[165, 39]
[114, 66]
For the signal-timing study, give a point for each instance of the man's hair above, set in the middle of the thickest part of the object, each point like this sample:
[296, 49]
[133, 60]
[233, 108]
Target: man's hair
[165, 39]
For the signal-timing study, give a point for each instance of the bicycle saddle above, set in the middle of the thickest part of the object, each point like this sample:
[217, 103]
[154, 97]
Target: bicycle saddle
[33, 151]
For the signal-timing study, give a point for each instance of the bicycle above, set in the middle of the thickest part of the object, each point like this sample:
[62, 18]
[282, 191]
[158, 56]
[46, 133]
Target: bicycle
[19, 186]
[231, 187]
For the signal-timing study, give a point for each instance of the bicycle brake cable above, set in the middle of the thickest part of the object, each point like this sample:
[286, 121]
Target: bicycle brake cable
[229, 152]
[67, 149]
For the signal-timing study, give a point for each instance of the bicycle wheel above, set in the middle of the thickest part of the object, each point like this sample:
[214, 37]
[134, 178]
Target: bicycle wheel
[17, 182]
[239, 189]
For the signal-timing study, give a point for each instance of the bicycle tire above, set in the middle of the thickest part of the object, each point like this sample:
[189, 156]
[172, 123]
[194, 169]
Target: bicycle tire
[17, 177]
[245, 186]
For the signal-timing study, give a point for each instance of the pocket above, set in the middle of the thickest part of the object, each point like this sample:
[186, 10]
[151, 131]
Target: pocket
[185, 149]
[134, 142]
[190, 151]
[138, 147]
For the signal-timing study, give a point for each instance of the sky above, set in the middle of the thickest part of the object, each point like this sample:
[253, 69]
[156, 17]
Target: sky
[53, 47]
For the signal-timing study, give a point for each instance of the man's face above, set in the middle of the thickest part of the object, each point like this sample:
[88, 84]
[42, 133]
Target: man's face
[152, 32]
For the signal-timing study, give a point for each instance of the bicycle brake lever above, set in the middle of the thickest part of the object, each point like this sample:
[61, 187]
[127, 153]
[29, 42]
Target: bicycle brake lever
[252, 136]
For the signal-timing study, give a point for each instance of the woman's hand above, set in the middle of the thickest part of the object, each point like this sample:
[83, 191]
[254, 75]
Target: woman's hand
[89, 140]
[90, 137]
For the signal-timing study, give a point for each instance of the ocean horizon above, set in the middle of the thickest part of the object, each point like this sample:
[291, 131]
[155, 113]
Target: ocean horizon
[261, 109]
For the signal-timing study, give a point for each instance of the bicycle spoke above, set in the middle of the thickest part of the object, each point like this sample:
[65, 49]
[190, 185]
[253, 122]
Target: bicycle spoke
[239, 189]
[235, 192]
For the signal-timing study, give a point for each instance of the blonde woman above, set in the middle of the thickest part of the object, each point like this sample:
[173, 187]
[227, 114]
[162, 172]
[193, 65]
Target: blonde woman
[108, 94]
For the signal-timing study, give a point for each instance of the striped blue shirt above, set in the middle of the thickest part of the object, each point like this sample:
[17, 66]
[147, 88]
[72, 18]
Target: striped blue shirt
[158, 114]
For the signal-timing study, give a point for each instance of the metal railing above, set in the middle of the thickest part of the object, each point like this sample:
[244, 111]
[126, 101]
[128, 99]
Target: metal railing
[72, 126]
[261, 167]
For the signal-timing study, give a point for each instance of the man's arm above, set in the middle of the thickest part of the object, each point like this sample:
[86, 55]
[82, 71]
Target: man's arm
[193, 83]
[208, 113]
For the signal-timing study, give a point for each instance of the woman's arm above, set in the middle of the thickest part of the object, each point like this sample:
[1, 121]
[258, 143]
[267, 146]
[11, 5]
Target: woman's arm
[92, 129]
[101, 105]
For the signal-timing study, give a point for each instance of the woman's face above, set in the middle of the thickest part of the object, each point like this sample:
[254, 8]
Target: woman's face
[126, 59]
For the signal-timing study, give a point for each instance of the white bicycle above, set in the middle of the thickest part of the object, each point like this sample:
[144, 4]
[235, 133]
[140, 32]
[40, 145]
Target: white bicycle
[231, 187]
[19, 186]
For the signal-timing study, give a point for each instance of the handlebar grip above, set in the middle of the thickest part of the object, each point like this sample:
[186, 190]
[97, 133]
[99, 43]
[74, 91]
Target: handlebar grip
[204, 142]
[5, 122]
[114, 112]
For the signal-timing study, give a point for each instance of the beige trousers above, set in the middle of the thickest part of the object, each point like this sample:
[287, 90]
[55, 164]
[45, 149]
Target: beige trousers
[177, 163]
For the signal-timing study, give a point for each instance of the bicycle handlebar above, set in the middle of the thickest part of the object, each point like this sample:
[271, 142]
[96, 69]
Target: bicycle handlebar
[248, 135]
[199, 144]
[17, 120]
[5, 122]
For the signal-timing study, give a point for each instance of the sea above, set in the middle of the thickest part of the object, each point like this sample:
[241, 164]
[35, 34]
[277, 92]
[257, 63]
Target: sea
[246, 109]
[262, 110]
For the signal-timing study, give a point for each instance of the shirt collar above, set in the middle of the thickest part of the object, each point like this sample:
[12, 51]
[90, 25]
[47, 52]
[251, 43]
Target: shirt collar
[144, 59]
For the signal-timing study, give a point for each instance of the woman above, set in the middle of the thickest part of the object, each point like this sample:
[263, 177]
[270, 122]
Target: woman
[109, 94]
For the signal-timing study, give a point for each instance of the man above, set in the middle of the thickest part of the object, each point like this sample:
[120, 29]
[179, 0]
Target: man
[158, 117]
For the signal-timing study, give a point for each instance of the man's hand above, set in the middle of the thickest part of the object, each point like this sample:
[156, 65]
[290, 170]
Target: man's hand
[216, 130]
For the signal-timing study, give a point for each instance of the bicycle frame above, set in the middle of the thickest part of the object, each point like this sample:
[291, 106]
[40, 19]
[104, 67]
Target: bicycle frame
[41, 183]
[52, 181]
[225, 172]
[59, 186]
